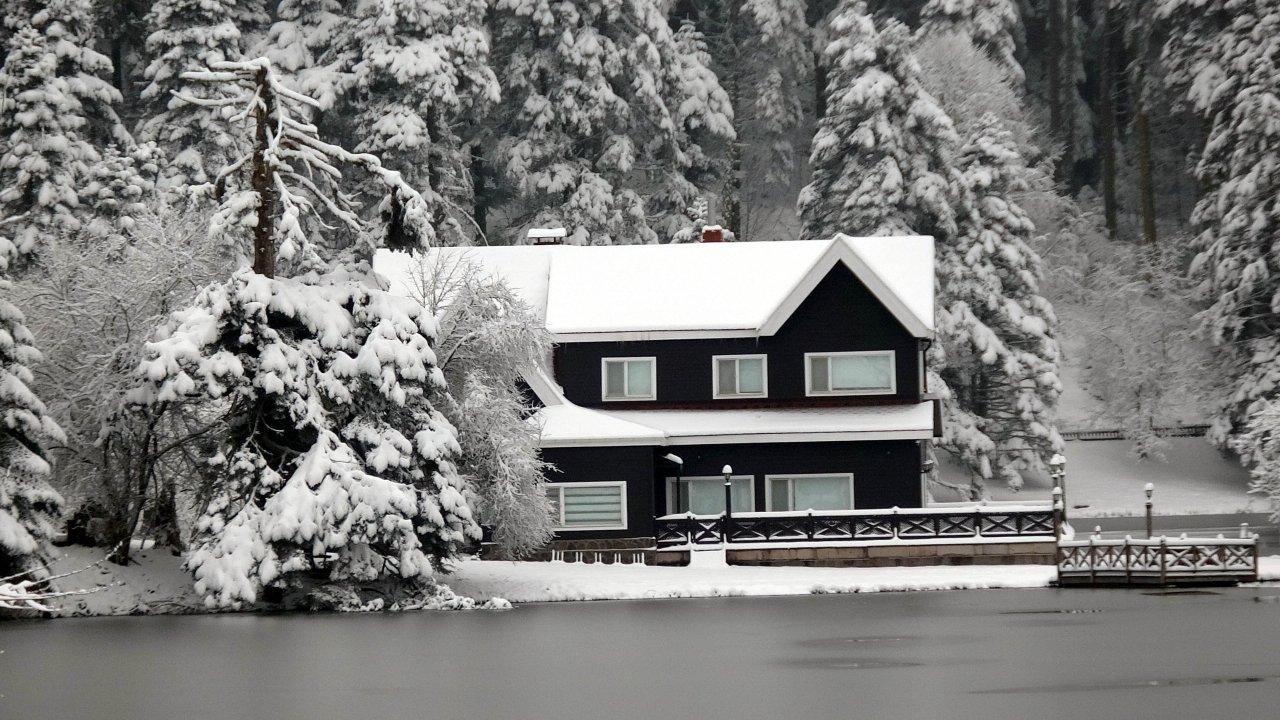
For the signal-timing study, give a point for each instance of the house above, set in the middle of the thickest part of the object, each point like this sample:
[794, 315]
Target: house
[799, 367]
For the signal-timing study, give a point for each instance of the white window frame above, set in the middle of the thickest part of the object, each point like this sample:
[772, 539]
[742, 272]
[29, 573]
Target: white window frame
[768, 488]
[715, 376]
[671, 488]
[560, 526]
[604, 378]
[808, 372]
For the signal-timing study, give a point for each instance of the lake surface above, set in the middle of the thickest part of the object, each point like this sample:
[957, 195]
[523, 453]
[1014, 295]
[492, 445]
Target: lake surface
[1016, 654]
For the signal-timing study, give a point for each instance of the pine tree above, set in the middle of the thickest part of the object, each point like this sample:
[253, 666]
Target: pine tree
[604, 118]
[29, 507]
[304, 46]
[992, 25]
[333, 458]
[1232, 76]
[420, 78]
[996, 353]
[881, 152]
[56, 113]
[189, 35]
[760, 50]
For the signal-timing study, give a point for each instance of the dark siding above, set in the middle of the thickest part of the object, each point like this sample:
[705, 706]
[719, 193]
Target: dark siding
[840, 314]
[886, 473]
[634, 465]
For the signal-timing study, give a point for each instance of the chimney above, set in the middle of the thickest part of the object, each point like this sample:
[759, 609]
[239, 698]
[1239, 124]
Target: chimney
[712, 233]
[546, 236]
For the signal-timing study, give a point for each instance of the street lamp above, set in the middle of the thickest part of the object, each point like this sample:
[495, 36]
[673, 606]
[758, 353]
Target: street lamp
[728, 503]
[679, 463]
[1058, 471]
[1148, 490]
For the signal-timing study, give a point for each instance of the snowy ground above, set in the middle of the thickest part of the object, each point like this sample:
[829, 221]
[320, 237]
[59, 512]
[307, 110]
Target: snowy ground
[1100, 475]
[1103, 481]
[156, 584]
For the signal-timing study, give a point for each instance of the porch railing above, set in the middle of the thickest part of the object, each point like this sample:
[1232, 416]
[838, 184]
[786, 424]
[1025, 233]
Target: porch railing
[1164, 561]
[871, 526]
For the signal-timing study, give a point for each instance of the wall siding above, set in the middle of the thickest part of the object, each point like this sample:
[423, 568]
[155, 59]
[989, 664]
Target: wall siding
[839, 315]
[886, 473]
[634, 465]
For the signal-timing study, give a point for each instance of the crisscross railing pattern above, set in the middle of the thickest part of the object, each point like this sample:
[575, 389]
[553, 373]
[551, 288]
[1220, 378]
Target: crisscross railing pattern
[856, 525]
[1162, 560]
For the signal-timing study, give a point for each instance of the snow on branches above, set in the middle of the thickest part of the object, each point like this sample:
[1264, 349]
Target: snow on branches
[604, 115]
[333, 460]
[1227, 60]
[333, 457]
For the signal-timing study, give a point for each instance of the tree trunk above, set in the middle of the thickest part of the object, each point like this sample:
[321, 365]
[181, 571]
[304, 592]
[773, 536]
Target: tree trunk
[1053, 68]
[1107, 121]
[1146, 191]
[479, 190]
[264, 249]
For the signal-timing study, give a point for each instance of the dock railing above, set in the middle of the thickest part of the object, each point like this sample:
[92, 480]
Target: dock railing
[955, 521]
[1158, 561]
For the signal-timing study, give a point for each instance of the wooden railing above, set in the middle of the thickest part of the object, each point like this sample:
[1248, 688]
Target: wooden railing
[1157, 561]
[1168, 432]
[971, 522]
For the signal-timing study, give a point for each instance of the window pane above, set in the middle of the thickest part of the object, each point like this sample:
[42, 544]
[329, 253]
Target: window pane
[614, 379]
[818, 374]
[592, 505]
[751, 375]
[860, 372]
[639, 380]
[779, 494]
[553, 494]
[822, 493]
[706, 495]
[728, 381]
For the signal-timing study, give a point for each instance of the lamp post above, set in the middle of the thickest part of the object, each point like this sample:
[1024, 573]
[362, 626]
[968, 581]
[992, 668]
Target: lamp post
[728, 500]
[679, 463]
[1058, 471]
[1149, 489]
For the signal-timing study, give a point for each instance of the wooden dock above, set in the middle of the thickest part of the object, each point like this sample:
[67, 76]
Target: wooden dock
[1157, 561]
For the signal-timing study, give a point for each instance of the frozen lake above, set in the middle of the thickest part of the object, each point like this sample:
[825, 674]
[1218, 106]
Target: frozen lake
[991, 654]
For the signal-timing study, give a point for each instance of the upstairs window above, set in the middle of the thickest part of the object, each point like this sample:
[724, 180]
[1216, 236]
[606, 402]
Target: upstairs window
[850, 373]
[629, 378]
[740, 376]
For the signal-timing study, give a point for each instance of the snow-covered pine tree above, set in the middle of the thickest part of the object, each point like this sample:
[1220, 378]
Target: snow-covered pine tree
[600, 118]
[333, 458]
[57, 110]
[996, 354]
[1231, 74]
[993, 26]
[190, 35]
[420, 84]
[29, 508]
[761, 51]
[303, 45]
[1259, 445]
[881, 153]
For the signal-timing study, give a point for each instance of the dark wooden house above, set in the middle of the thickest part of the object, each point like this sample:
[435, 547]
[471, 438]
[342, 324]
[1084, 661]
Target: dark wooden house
[798, 366]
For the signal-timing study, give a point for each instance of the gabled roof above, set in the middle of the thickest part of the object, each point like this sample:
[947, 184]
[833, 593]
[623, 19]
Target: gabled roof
[654, 292]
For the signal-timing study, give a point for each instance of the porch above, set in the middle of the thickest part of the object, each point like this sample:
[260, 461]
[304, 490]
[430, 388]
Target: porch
[955, 534]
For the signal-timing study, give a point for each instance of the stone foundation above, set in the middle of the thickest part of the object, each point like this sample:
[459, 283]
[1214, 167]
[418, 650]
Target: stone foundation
[620, 550]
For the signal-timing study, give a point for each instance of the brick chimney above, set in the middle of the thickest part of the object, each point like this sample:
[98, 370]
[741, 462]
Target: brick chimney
[712, 233]
[546, 236]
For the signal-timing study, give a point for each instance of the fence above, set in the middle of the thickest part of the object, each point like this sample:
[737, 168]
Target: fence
[972, 522]
[1173, 432]
[1157, 561]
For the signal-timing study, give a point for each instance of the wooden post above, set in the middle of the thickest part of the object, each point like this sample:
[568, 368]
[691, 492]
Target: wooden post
[728, 501]
[1163, 560]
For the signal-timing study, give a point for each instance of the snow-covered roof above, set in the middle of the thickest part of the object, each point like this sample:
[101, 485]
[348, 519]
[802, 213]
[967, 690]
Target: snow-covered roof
[714, 427]
[564, 424]
[649, 292]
